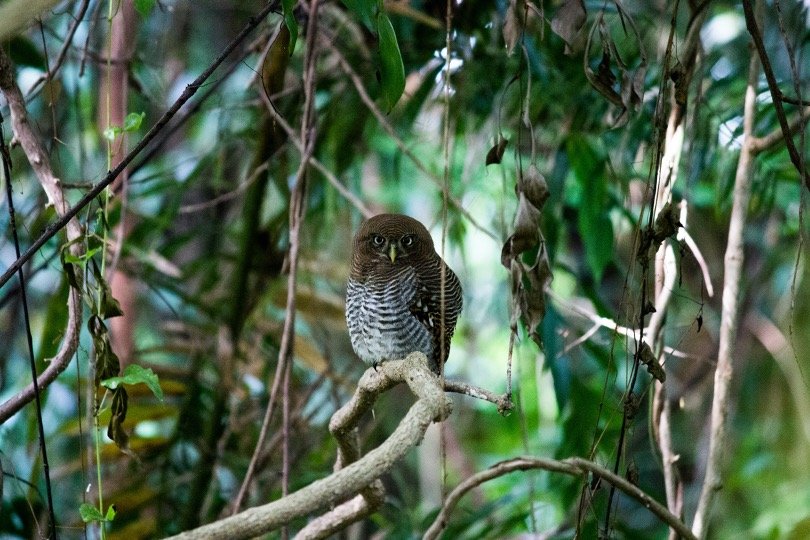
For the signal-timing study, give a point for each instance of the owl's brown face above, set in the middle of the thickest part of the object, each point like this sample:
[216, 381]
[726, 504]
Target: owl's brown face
[383, 240]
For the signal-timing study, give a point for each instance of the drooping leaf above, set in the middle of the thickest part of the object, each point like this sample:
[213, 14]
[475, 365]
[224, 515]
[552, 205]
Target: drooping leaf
[364, 10]
[568, 21]
[107, 363]
[288, 9]
[118, 414]
[514, 24]
[108, 306]
[276, 61]
[135, 374]
[392, 70]
[495, 154]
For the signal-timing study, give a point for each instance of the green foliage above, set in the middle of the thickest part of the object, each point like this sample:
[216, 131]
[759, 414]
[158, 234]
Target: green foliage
[392, 71]
[206, 251]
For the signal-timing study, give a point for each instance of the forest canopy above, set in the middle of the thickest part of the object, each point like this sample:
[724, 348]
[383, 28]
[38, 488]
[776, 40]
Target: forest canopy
[620, 188]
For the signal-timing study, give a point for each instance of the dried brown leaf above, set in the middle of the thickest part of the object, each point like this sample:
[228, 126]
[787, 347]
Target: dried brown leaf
[568, 22]
[495, 154]
[514, 24]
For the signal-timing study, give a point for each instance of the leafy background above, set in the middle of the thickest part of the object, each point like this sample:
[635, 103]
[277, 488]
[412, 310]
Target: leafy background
[207, 256]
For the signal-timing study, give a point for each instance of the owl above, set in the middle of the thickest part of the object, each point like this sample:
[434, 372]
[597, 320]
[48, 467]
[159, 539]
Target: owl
[394, 295]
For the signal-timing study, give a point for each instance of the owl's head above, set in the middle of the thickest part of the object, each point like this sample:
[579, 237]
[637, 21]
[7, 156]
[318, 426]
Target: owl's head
[391, 239]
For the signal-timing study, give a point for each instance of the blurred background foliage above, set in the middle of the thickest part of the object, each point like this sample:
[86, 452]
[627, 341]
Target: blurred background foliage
[207, 253]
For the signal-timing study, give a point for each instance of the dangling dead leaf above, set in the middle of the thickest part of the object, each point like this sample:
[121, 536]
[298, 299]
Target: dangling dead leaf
[568, 22]
[118, 413]
[527, 232]
[528, 280]
[646, 357]
[495, 154]
[533, 184]
[514, 24]
[107, 363]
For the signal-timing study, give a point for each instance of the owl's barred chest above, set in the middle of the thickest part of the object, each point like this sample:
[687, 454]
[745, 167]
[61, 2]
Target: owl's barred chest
[381, 323]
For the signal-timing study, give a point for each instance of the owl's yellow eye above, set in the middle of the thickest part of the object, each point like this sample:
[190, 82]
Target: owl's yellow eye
[378, 240]
[407, 240]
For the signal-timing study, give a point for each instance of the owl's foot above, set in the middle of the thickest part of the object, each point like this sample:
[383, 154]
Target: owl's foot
[374, 365]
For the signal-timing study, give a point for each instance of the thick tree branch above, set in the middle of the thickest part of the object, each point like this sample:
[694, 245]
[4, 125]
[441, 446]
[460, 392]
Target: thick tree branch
[431, 405]
[40, 163]
[572, 466]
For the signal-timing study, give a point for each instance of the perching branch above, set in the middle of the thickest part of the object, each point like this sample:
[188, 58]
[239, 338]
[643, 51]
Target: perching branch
[40, 163]
[431, 405]
[573, 466]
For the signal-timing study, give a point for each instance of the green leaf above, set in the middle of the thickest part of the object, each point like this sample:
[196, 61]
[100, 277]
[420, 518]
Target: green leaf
[133, 121]
[288, 8]
[144, 7]
[588, 164]
[392, 70]
[364, 10]
[23, 52]
[135, 374]
[90, 513]
[110, 513]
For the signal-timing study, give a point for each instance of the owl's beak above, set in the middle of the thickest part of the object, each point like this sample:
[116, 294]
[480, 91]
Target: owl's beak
[392, 253]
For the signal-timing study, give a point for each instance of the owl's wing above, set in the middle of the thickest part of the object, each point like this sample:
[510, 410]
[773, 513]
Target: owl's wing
[426, 303]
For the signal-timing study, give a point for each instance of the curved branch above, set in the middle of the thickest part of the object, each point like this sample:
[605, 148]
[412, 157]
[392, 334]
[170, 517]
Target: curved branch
[572, 466]
[431, 405]
[41, 165]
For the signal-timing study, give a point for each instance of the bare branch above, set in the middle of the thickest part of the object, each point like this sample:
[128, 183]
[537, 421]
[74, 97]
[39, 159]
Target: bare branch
[503, 402]
[733, 264]
[777, 136]
[572, 466]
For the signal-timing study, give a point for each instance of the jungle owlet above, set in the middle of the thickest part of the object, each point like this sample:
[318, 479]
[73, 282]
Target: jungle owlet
[393, 300]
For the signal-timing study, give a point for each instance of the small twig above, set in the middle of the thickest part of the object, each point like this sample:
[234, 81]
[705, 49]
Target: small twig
[704, 268]
[776, 92]
[353, 199]
[503, 402]
[769, 141]
[66, 44]
[192, 208]
[572, 466]
[43, 446]
[386, 125]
